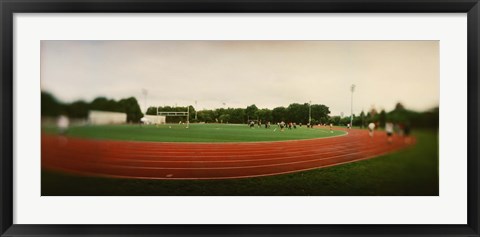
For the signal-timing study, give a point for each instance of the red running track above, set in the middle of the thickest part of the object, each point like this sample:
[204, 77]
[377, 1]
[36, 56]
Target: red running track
[167, 160]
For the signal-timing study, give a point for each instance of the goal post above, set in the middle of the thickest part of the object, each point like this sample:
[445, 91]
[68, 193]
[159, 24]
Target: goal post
[175, 114]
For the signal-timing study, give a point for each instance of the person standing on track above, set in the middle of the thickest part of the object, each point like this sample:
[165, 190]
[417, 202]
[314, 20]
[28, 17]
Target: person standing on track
[62, 124]
[389, 130]
[371, 128]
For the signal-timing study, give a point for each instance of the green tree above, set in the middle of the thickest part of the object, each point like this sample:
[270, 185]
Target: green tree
[382, 118]
[279, 114]
[152, 110]
[237, 115]
[131, 107]
[50, 106]
[250, 111]
[344, 121]
[78, 109]
[224, 118]
[297, 113]
[205, 116]
[335, 120]
[100, 103]
[265, 115]
[320, 113]
[362, 119]
[191, 111]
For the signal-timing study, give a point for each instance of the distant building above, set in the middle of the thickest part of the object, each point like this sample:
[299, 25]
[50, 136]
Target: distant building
[154, 119]
[96, 117]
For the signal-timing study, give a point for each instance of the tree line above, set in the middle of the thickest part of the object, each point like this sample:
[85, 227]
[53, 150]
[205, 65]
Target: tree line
[52, 107]
[400, 114]
[297, 113]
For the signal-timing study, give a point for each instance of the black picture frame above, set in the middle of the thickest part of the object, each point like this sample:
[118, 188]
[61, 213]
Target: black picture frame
[9, 7]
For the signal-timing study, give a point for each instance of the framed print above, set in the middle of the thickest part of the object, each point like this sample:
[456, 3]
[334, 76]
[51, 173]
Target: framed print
[239, 118]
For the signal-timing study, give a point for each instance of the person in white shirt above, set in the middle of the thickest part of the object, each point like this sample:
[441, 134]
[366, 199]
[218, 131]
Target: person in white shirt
[62, 124]
[371, 128]
[389, 130]
[282, 125]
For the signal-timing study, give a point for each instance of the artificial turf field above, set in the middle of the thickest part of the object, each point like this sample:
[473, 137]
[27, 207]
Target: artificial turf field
[196, 133]
[413, 171]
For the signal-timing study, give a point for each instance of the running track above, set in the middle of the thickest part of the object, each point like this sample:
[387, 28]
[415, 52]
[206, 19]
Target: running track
[163, 160]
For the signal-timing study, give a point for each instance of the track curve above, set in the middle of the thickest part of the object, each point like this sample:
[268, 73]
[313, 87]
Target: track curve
[168, 160]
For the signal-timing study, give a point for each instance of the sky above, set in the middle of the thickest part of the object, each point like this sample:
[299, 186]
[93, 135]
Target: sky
[221, 74]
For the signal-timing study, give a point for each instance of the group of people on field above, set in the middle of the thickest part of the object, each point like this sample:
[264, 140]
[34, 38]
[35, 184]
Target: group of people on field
[283, 125]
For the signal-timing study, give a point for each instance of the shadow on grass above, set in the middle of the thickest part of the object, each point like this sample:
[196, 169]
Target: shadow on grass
[410, 172]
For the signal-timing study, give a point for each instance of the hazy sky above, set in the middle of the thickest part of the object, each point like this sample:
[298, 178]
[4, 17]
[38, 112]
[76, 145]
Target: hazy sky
[241, 73]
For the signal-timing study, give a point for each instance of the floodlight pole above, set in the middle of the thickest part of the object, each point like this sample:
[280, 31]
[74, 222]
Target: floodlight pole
[310, 113]
[352, 88]
[195, 110]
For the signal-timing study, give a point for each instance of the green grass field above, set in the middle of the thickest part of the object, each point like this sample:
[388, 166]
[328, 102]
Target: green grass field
[195, 133]
[413, 171]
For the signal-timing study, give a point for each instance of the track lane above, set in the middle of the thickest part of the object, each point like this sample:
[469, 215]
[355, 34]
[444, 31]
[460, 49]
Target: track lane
[151, 160]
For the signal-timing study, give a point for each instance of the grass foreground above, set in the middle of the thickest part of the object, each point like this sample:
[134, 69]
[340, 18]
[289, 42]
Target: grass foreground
[410, 172]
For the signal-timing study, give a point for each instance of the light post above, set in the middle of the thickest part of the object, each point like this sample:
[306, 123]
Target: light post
[195, 110]
[352, 88]
[145, 92]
